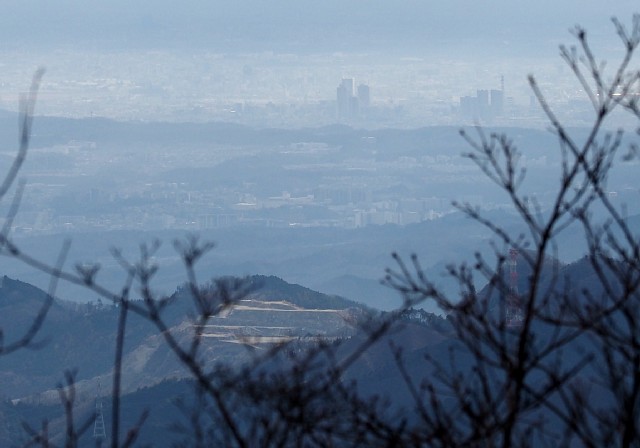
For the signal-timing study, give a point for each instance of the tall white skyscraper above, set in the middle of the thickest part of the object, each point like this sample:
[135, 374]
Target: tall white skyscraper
[352, 104]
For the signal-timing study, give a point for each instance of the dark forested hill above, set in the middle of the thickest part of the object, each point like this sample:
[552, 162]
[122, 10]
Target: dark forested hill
[274, 310]
[82, 336]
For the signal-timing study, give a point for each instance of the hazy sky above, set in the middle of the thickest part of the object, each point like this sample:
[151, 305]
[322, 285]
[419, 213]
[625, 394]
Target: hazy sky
[156, 59]
[300, 24]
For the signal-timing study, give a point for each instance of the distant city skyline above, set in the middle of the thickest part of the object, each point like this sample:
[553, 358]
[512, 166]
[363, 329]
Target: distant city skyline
[352, 102]
[276, 90]
[278, 64]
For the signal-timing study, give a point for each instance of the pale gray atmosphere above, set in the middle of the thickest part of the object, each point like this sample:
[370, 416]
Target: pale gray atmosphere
[277, 65]
[308, 141]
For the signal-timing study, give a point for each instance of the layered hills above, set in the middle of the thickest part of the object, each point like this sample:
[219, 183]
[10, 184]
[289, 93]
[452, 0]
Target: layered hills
[272, 311]
[82, 337]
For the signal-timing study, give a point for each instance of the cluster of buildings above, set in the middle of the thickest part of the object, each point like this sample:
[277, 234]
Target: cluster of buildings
[352, 103]
[198, 213]
[485, 106]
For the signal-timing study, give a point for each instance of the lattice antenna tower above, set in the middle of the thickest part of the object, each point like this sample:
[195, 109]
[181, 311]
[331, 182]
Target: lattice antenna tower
[99, 430]
[513, 309]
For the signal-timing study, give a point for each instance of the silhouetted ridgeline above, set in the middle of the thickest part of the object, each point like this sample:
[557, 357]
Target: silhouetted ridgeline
[82, 335]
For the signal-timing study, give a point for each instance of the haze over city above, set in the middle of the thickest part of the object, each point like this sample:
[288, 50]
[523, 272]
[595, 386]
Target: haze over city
[278, 65]
[243, 201]
[294, 66]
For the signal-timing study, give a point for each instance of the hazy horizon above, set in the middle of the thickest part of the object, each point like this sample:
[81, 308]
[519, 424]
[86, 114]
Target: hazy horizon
[278, 66]
[196, 61]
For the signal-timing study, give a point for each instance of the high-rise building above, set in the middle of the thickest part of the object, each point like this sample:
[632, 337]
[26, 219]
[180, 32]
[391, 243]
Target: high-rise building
[485, 106]
[344, 96]
[364, 97]
[348, 85]
[352, 104]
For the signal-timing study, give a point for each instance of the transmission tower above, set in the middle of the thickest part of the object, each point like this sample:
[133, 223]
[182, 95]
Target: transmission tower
[513, 306]
[99, 432]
